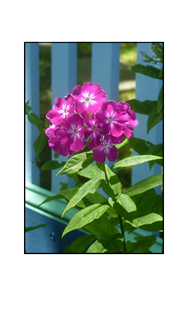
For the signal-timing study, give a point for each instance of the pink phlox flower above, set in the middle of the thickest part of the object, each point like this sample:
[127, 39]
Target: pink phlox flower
[89, 97]
[59, 146]
[51, 130]
[61, 109]
[112, 119]
[92, 129]
[72, 132]
[130, 122]
[106, 149]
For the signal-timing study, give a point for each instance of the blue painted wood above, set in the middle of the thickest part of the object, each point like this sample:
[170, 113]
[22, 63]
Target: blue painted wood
[31, 94]
[105, 70]
[46, 239]
[146, 89]
[64, 79]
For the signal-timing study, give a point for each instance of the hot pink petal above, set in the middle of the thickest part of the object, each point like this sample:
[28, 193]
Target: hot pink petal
[59, 102]
[99, 155]
[117, 128]
[112, 153]
[77, 145]
[127, 132]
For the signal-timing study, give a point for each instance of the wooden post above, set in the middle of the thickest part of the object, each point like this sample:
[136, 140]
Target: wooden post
[32, 172]
[146, 89]
[64, 79]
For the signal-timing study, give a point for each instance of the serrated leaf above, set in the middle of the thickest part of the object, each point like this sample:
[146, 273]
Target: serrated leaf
[80, 244]
[77, 163]
[149, 71]
[36, 227]
[144, 107]
[85, 216]
[34, 119]
[154, 118]
[39, 144]
[144, 185]
[135, 160]
[52, 165]
[89, 187]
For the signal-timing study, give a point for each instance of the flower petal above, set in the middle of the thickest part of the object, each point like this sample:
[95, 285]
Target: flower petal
[77, 145]
[112, 153]
[99, 155]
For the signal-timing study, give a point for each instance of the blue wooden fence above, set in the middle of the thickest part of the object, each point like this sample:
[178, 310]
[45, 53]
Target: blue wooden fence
[105, 70]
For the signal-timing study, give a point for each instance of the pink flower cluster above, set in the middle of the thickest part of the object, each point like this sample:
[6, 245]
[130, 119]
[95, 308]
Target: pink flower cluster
[84, 114]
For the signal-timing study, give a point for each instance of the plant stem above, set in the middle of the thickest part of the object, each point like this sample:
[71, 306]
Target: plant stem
[121, 225]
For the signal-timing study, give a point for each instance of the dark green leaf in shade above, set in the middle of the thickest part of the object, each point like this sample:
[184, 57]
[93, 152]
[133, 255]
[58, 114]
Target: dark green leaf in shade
[154, 118]
[85, 216]
[56, 155]
[144, 107]
[149, 71]
[80, 244]
[108, 243]
[144, 185]
[141, 245]
[158, 151]
[51, 165]
[77, 163]
[139, 145]
[27, 107]
[39, 144]
[160, 101]
[34, 119]
[36, 227]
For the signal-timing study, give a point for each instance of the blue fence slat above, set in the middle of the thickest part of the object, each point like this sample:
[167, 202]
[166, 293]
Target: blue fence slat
[105, 70]
[146, 89]
[64, 79]
[31, 94]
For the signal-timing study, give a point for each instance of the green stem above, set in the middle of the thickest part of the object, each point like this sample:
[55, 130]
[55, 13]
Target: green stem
[121, 225]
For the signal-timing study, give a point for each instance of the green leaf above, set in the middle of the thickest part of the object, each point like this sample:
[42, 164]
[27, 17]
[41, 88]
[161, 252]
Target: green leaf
[102, 227]
[158, 151]
[154, 118]
[34, 119]
[85, 216]
[141, 245]
[92, 171]
[150, 222]
[77, 163]
[36, 227]
[144, 107]
[56, 155]
[127, 203]
[59, 196]
[160, 101]
[135, 160]
[119, 208]
[69, 193]
[147, 71]
[27, 107]
[110, 182]
[96, 247]
[123, 144]
[161, 74]
[89, 187]
[113, 243]
[148, 202]
[80, 244]
[39, 144]
[139, 145]
[51, 165]
[144, 185]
